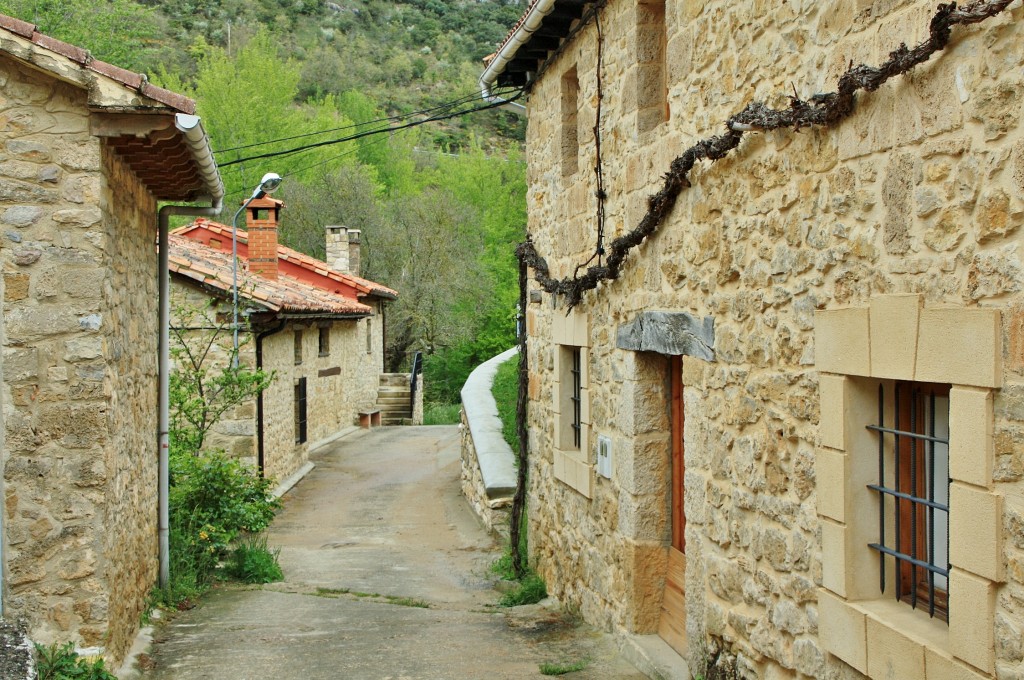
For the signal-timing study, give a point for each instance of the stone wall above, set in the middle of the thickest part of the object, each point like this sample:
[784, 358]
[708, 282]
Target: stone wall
[338, 386]
[79, 372]
[919, 192]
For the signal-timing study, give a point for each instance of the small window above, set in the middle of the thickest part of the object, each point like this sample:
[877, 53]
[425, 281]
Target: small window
[324, 342]
[572, 395]
[652, 81]
[570, 122]
[298, 347]
[300, 411]
[369, 336]
[913, 484]
[577, 393]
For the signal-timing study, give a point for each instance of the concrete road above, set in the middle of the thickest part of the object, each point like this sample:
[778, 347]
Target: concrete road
[386, 579]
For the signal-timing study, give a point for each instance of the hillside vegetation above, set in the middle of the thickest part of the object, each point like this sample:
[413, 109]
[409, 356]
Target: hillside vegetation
[441, 205]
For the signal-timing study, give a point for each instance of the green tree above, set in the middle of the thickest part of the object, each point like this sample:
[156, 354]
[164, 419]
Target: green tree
[121, 32]
[205, 382]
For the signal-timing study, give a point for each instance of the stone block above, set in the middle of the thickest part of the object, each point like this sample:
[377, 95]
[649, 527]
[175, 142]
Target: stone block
[833, 404]
[16, 286]
[975, 530]
[960, 346]
[842, 342]
[972, 633]
[939, 665]
[891, 654]
[671, 333]
[833, 557]
[693, 372]
[971, 445]
[830, 474]
[842, 630]
[645, 581]
[642, 466]
[893, 320]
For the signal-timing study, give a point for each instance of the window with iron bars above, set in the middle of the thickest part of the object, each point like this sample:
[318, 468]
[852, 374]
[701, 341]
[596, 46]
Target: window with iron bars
[300, 411]
[576, 398]
[913, 485]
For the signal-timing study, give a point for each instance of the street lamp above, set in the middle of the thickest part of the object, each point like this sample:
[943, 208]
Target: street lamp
[270, 182]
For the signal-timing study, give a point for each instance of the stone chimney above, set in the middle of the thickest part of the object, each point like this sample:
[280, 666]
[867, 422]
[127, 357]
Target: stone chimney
[354, 236]
[343, 249]
[261, 219]
[337, 248]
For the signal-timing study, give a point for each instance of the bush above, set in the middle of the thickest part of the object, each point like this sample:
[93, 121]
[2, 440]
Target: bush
[253, 562]
[213, 500]
[60, 662]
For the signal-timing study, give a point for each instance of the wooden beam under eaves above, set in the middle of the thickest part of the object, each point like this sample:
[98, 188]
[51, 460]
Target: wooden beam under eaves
[129, 124]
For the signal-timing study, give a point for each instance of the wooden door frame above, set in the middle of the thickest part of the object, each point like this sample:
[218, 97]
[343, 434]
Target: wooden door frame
[678, 511]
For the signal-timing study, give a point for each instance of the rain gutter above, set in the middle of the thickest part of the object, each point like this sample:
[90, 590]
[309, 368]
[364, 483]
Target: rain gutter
[522, 34]
[198, 143]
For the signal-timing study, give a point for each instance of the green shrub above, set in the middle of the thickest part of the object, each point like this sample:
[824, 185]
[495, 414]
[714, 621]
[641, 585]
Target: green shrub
[213, 500]
[253, 562]
[435, 413]
[60, 662]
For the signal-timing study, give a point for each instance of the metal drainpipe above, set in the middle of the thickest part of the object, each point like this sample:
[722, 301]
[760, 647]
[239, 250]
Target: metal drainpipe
[259, 397]
[163, 433]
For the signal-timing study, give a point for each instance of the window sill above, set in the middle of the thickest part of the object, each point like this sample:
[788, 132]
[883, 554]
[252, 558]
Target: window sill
[572, 469]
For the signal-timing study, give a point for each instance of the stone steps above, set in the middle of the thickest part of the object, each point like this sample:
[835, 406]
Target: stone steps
[393, 399]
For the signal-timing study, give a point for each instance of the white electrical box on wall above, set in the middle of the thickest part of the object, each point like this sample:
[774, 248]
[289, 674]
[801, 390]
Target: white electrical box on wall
[604, 456]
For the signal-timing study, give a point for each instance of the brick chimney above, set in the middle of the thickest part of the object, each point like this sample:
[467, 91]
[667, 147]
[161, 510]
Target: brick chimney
[343, 249]
[337, 248]
[261, 220]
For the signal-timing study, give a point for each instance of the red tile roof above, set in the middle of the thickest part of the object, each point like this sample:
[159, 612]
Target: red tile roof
[132, 81]
[212, 268]
[363, 286]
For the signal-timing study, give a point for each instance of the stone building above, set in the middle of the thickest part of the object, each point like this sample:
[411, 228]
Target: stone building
[318, 329]
[87, 151]
[789, 437]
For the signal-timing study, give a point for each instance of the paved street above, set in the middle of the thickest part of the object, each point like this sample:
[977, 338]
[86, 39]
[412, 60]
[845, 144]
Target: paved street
[386, 578]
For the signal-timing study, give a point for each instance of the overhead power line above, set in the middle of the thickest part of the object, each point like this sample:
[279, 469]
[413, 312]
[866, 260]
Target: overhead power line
[388, 119]
[376, 131]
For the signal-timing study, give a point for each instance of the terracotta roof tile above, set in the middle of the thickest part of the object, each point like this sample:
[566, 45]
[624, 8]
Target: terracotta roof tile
[131, 80]
[286, 294]
[287, 254]
[17, 26]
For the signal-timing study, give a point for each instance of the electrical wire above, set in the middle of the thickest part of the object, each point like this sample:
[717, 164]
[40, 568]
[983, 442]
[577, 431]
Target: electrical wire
[367, 133]
[440, 107]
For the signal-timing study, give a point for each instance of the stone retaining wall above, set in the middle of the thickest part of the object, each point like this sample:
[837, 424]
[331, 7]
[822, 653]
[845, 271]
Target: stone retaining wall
[488, 463]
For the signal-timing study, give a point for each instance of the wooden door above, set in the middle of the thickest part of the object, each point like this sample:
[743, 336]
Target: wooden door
[672, 627]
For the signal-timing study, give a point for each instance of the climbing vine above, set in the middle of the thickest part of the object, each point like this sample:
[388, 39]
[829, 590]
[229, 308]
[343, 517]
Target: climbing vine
[822, 110]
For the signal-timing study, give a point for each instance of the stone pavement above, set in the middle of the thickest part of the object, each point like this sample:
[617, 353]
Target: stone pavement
[386, 579]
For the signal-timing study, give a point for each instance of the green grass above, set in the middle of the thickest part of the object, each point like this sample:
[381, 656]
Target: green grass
[407, 601]
[252, 561]
[436, 413]
[506, 393]
[530, 590]
[562, 668]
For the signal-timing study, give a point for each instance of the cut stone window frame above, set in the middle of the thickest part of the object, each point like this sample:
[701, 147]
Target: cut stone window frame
[897, 338]
[297, 349]
[651, 77]
[573, 458]
[570, 107]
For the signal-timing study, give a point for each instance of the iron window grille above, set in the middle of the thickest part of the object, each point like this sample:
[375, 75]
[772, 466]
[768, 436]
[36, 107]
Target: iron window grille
[577, 393]
[920, 495]
[300, 411]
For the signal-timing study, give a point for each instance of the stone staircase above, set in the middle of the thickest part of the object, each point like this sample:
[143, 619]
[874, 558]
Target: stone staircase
[393, 399]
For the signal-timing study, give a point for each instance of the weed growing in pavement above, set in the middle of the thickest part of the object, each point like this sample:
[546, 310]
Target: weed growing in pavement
[530, 590]
[407, 601]
[562, 668]
[251, 561]
[60, 662]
